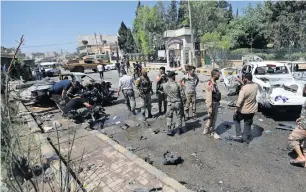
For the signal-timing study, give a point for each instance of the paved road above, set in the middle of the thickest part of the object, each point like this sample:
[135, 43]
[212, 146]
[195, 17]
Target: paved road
[210, 164]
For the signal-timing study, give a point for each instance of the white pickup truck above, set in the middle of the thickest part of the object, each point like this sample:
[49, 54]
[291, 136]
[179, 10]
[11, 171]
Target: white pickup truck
[277, 87]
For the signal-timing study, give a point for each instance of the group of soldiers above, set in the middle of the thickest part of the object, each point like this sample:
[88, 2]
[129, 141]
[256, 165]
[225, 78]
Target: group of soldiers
[171, 95]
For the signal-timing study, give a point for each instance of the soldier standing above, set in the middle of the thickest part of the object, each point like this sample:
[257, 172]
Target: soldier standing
[246, 107]
[190, 82]
[144, 85]
[297, 139]
[175, 99]
[213, 97]
[161, 96]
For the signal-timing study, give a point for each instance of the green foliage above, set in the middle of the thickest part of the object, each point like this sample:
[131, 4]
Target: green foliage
[125, 39]
[214, 42]
[172, 16]
[281, 23]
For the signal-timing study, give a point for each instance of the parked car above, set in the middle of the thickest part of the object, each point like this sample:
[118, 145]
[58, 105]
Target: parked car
[110, 67]
[51, 68]
[277, 87]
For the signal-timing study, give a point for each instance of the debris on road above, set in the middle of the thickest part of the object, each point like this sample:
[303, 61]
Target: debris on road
[268, 131]
[284, 127]
[124, 126]
[46, 129]
[131, 148]
[142, 138]
[148, 160]
[56, 124]
[260, 119]
[171, 159]
[148, 190]
[156, 131]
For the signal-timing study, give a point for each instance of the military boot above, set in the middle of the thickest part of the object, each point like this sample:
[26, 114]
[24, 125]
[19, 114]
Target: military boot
[150, 114]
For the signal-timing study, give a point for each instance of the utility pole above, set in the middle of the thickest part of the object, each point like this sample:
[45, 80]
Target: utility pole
[97, 43]
[192, 38]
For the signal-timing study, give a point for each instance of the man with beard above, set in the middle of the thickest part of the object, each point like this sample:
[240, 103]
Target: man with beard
[245, 109]
[213, 97]
[161, 96]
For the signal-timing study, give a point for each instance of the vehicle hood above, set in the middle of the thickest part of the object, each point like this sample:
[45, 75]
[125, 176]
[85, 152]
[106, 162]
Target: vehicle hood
[274, 80]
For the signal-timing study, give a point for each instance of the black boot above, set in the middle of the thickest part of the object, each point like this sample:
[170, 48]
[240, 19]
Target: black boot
[150, 114]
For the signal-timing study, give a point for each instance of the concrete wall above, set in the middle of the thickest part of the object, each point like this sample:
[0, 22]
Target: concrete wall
[110, 39]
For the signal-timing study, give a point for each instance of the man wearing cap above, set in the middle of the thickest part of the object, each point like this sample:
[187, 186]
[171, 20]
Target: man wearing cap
[144, 85]
[175, 99]
[213, 97]
[190, 82]
[161, 96]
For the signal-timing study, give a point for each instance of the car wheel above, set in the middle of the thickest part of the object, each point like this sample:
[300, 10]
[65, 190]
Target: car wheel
[108, 68]
[94, 70]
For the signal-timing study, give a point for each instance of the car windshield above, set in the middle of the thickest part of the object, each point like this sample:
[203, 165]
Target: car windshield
[271, 70]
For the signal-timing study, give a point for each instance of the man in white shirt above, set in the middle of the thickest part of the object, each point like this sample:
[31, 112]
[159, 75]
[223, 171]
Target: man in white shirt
[126, 85]
[100, 70]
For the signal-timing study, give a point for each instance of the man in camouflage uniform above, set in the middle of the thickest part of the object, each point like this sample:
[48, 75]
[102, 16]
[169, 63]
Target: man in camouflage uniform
[175, 101]
[161, 96]
[297, 139]
[144, 85]
[213, 97]
[190, 81]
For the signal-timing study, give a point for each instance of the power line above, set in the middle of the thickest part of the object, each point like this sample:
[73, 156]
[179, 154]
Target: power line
[49, 45]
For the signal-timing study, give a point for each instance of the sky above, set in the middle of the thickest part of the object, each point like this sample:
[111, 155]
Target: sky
[52, 26]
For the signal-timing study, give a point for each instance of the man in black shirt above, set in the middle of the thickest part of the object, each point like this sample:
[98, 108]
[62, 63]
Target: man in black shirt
[77, 104]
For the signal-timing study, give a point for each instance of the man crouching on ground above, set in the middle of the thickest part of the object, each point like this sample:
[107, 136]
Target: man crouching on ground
[297, 139]
[77, 104]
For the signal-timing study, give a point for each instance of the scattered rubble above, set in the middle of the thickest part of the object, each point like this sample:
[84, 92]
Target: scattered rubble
[46, 129]
[148, 190]
[148, 160]
[171, 159]
[131, 148]
[142, 138]
[284, 127]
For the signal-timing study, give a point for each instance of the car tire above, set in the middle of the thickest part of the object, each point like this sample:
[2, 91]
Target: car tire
[50, 74]
[108, 68]
[94, 70]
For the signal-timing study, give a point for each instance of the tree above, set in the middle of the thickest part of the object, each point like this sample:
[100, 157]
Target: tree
[130, 43]
[230, 13]
[122, 39]
[138, 6]
[171, 18]
[215, 42]
[182, 17]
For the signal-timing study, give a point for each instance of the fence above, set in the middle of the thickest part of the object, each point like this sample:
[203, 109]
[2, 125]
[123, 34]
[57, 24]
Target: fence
[265, 54]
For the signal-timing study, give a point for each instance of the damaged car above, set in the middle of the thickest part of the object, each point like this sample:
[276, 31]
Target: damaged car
[38, 91]
[298, 69]
[277, 87]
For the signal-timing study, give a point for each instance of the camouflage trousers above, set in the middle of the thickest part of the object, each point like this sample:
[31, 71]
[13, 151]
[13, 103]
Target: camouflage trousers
[146, 99]
[211, 122]
[162, 101]
[191, 100]
[177, 108]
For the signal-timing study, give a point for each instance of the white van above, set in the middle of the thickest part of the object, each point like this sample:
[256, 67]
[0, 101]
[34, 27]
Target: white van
[51, 68]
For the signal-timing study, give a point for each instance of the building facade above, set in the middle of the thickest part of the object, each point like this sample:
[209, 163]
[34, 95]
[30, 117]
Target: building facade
[179, 47]
[98, 44]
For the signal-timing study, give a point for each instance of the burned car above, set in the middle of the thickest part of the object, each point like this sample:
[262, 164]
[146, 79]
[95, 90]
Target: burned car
[277, 87]
[98, 91]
